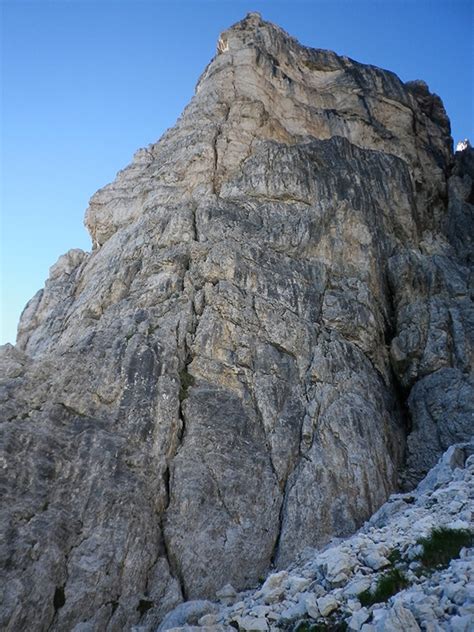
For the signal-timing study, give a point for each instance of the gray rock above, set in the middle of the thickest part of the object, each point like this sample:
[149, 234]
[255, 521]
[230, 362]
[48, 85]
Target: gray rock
[357, 585]
[461, 623]
[443, 409]
[337, 566]
[294, 612]
[312, 607]
[210, 390]
[297, 584]
[358, 619]
[274, 587]
[199, 628]
[327, 604]
[432, 351]
[375, 561]
[226, 594]
[454, 457]
[260, 611]
[208, 619]
[253, 624]
[187, 613]
[397, 619]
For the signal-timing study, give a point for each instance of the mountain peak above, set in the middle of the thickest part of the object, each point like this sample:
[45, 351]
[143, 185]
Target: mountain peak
[270, 335]
[252, 29]
[264, 86]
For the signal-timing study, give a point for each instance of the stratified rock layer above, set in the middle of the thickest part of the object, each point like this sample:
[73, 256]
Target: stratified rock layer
[223, 380]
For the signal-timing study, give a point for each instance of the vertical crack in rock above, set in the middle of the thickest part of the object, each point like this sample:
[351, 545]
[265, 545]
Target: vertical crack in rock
[59, 599]
[186, 381]
[281, 517]
[215, 151]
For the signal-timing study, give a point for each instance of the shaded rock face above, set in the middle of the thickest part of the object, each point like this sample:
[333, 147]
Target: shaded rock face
[278, 292]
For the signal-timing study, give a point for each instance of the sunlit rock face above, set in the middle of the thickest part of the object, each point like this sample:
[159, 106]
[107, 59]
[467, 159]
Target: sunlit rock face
[277, 295]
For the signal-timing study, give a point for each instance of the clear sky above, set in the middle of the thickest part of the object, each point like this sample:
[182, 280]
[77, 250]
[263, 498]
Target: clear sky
[87, 82]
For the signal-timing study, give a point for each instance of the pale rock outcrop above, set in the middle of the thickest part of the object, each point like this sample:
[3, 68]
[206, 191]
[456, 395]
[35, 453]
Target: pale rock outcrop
[438, 599]
[222, 381]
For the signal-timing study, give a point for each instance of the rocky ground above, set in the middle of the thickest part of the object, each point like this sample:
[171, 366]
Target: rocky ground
[323, 590]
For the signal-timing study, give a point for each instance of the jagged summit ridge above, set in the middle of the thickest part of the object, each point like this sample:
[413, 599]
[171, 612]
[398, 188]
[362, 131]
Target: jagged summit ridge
[276, 305]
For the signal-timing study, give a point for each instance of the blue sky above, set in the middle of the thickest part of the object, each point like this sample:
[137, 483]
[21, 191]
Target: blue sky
[87, 82]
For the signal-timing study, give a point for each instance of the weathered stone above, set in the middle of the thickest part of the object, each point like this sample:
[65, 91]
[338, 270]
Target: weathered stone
[297, 584]
[353, 604]
[327, 604]
[260, 611]
[312, 607]
[337, 566]
[197, 628]
[216, 386]
[187, 613]
[433, 348]
[294, 611]
[442, 405]
[226, 594]
[253, 624]
[455, 457]
[208, 619]
[357, 585]
[436, 600]
[375, 561]
[358, 619]
[398, 619]
[461, 623]
[274, 587]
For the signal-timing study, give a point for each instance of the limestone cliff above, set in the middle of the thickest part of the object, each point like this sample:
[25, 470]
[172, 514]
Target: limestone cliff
[278, 295]
[330, 590]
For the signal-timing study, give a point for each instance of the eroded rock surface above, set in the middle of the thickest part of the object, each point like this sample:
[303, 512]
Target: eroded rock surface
[278, 291]
[327, 589]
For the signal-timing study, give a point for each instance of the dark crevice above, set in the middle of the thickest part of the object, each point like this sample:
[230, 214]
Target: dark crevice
[470, 197]
[215, 160]
[194, 225]
[281, 516]
[59, 598]
[144, 605]
[186, 380]
[166, 484]
[215, 185]
[268, 446]
[401, 394]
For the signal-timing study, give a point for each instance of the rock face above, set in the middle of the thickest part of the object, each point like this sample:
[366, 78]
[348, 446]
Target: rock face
[278, 292]
[326, 588]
